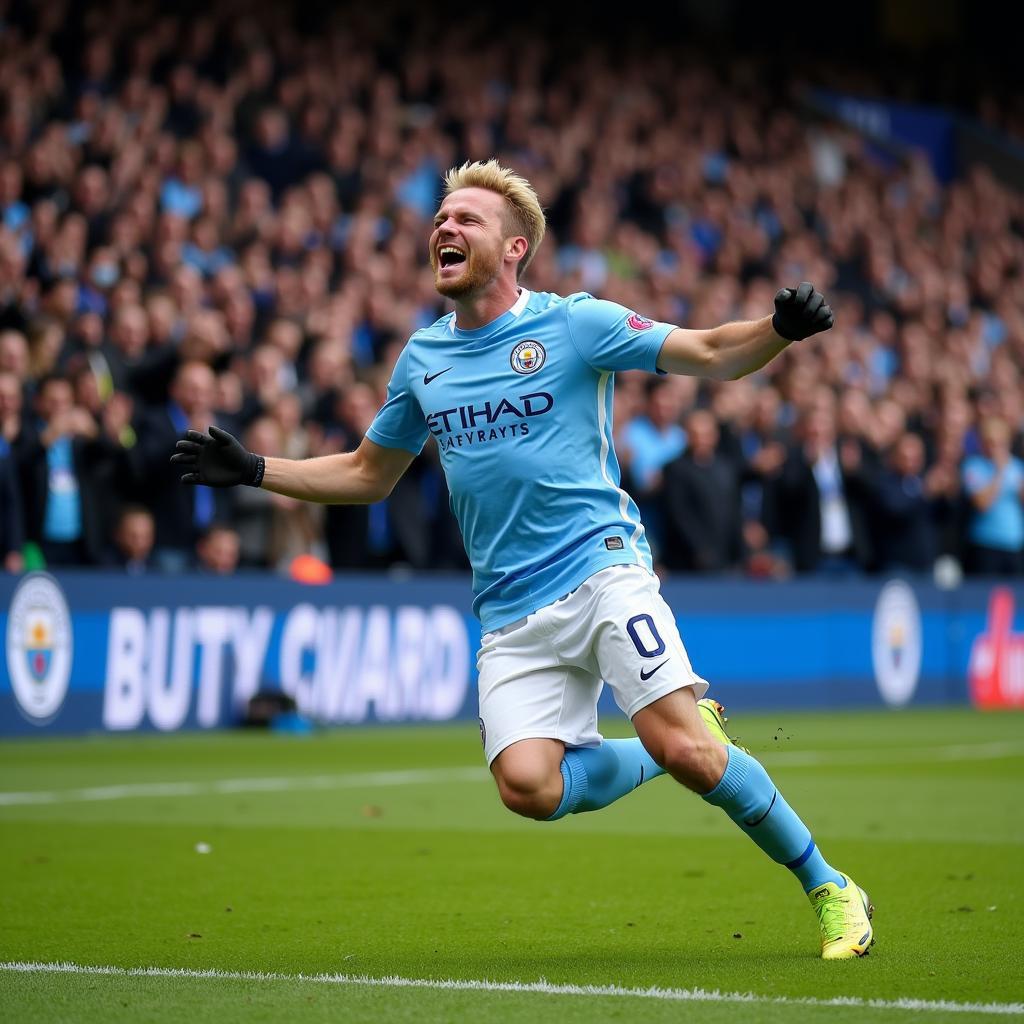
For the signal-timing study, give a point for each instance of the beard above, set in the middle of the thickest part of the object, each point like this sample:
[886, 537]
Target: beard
[479, 270]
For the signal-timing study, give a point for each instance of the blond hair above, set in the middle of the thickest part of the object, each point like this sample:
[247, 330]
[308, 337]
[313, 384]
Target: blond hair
[525, 216]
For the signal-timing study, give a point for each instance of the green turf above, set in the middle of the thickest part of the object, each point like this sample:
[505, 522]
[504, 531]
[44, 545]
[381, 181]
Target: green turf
[436, 880]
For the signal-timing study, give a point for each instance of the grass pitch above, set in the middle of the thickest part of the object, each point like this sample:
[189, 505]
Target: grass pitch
[385, 854]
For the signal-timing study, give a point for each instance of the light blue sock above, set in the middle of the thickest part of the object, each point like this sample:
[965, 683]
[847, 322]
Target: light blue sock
[749, 797]
[594, 777]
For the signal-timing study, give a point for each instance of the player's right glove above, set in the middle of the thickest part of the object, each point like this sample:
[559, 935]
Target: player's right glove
[217, 459]
[801, 313]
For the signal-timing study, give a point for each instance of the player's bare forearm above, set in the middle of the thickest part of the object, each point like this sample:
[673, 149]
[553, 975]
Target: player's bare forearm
[736, 349]
[218, 459]
[329, 479]
[361, 477]
[723, 353]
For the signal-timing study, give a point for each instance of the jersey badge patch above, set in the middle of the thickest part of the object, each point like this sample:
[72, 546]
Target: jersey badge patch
[639, 323]
[528, 357]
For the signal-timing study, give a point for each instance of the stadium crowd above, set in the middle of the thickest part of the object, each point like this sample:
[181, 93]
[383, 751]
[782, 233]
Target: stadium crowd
[215, 219]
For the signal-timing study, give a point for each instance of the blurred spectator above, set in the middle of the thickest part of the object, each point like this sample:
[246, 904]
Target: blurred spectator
[181, 513]
[994, 482]
[655, 438]
[272, 529]
[821, 500]
[761, 445]
[942, 481]
[647, 442]
[14, 355]
[133, 540]
[217, 550]
[64, 462]
[702, 503]
[907, 499]
[11, 531]
[11, 400]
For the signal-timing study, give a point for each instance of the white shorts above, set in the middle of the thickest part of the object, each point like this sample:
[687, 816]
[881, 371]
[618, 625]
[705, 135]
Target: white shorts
[540, 677]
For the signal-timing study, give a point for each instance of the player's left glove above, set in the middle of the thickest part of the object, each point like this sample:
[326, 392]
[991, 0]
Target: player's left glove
[217, 459]
[801, 313]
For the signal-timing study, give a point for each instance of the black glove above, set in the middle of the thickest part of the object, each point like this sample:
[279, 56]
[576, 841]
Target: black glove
[217, 459]
[801, 313]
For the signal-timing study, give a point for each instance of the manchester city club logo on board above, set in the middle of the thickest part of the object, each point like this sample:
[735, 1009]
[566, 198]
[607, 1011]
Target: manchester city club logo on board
[39, 647]
[528, 357]
[896, 643]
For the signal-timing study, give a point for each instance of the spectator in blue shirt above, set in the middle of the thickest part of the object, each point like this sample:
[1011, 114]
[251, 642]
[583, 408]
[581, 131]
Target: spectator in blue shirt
[181, 195]
[66, 469]
[203, 252]
[648, 444]
[11, 536]
[994, 483]
[656, 438]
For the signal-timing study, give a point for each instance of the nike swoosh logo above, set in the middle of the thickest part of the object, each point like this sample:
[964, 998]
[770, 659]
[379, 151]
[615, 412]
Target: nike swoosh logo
[428, 377]
[753, 824]
[647, 675]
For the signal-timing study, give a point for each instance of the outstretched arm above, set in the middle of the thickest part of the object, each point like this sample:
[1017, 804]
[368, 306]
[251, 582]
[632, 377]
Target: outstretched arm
[734, 350]
[354, 478]
[361, 477]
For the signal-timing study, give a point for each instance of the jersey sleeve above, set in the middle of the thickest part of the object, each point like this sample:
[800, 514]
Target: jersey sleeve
[611, 337]
[400, 423]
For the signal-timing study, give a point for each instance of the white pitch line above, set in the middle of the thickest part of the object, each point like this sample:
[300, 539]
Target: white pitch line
[682, 995]
[368, 780]
[991, 751]
[280, 784]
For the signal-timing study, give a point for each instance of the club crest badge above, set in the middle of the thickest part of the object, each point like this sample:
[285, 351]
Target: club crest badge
[528, 357]
[896, 643]
[39, 647]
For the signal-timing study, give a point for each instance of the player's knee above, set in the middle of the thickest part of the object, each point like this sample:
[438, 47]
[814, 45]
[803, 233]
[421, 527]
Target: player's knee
[529, 804]
[695, 760]
[529, 778]
[530, 792]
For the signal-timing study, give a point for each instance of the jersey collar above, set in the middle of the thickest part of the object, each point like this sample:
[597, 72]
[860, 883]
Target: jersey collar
[511, 314]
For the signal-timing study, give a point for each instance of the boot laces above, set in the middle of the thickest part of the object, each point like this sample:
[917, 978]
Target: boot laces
[832, 916]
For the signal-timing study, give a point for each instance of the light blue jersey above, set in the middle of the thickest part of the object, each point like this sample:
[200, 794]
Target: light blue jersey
[522, 414]
[1001, 525]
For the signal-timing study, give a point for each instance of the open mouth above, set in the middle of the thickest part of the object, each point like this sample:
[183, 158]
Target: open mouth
[450, 256]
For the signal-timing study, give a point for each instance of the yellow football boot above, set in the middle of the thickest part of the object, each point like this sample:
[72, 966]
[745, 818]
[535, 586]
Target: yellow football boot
[714, 718]
[844, 917]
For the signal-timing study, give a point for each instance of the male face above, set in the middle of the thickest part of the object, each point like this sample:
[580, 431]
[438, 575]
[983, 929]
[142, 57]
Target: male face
[702, 435]
[131, 331]
[358, 407]
[10, 395]
[219, 551]
[14, 353]
[55, 399]
[819, 432]
[194, 388]
[663, 405]
[135, 536]
[995, 440]
[467, 244]
[909, 455]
